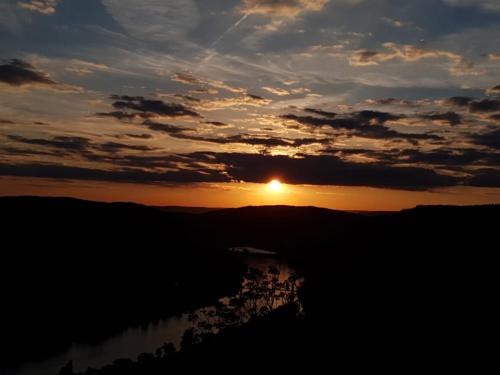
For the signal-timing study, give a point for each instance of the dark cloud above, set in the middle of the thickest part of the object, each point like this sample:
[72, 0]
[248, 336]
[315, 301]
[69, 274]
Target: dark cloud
[163, 128]
[125, 175]
[485, 105]
[150, 108]
[325, 170]
[139, 136]
[188, 134]
[127, 98]
[83, 146]
[9, 151]
[459, 101]
[494, 90]
[487, 177]
[61, 142]
[365, 124]
[8, 122]
[18, 73]
[116, 147]
[320, 112]
[475, 105]
[364, 57]
[120, 115]
[489, 139]
[256, 97]
[188, 98]
[451, 118]
[457, 159]
[248, 140]
[258, 168]
[495, 117]
[140, 160]
[215, 123]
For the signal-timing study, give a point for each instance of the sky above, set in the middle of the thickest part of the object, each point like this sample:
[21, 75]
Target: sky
[350, 104]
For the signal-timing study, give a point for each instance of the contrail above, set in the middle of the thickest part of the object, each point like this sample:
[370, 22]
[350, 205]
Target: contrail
[218, 40]
[214, 44]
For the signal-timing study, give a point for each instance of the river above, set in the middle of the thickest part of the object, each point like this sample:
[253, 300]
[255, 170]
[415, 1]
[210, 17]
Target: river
[134, 340]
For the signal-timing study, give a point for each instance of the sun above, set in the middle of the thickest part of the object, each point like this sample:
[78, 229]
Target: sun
[275, 186]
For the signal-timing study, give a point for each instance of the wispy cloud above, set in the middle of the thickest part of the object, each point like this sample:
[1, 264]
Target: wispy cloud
[410, 53]
[45, 7]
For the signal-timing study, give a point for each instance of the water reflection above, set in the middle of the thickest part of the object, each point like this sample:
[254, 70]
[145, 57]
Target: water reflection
[137, 340]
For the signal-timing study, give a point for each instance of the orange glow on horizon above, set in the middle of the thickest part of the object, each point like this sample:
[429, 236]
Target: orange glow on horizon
[224, 195]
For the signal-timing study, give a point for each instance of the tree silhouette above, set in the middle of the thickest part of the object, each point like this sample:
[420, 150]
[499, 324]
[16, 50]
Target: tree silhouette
[261, 293]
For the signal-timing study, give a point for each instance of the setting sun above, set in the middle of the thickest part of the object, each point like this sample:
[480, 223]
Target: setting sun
[275, 186]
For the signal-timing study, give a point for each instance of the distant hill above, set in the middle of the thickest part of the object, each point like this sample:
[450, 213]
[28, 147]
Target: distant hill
[188, 210]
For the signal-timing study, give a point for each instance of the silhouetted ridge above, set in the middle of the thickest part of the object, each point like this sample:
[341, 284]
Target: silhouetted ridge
[79, 271]
[379, 287]
[285, 229]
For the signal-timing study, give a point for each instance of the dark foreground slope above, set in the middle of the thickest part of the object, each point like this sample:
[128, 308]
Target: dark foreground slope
[413, 291]
[414, 288]
[79, 271]
[400, 290]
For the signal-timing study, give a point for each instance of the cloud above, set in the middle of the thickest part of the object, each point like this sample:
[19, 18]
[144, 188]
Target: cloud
[488, 5]
[448, 118]
[257, 168]
[494, 90]
[163, 128]
[391, 101]
[120, 115]
[484, 105]
[276, 91]
[45, 7]
[489, 139]
[487, 177]
[79, 145]
[459, 101]
[325, 170]
[246, 139]
[155, 20]
[495, 117]
[239, 101]
[61, 142]
[147, 108]
[189, 79]
[410, 53]
[19, 73]
[138, 136]
[117, 147]
[216, 123]
[282, 8]
[363, 124]
[119, 175]
[83, 68]
[320, 112]
[457, 158]
[475, 105]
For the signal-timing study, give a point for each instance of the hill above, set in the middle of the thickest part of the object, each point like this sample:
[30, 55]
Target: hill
[374, 284]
